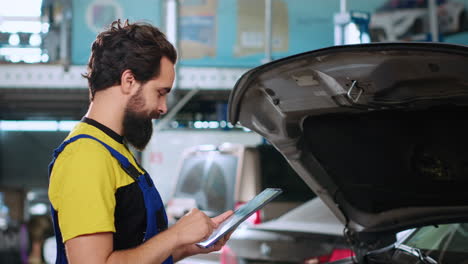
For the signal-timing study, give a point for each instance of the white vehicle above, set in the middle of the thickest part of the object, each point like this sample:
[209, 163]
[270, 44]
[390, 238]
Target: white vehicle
[309, 233]
[217, 178]
[405, 21]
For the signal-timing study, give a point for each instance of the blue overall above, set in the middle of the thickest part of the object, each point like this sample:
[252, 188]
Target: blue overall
[156, 218]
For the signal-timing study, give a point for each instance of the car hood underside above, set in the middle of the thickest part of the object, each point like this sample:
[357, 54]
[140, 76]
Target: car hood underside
[378, 131]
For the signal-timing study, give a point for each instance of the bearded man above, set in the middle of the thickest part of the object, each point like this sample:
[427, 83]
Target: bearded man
[105, 206]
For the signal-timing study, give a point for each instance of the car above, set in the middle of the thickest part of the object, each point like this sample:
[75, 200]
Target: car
[378, 131]
[430, 244]
[409, 20]
[217, 178]
[309, 233]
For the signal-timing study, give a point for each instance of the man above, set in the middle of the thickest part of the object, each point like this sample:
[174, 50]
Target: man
[105, 207]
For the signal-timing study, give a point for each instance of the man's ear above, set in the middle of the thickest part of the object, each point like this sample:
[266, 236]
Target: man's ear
[127, 82]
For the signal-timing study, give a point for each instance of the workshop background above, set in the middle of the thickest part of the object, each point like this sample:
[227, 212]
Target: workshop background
[45, 45]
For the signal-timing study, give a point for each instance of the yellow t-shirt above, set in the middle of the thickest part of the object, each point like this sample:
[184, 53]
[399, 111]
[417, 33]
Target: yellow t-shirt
[84, 182]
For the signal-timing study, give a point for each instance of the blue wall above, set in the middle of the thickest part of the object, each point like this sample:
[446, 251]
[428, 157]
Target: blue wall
[83, 22]
[309, 26]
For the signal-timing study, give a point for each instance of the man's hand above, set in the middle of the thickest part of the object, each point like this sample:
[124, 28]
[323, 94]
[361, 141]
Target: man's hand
[192, 249]
[178, 241]
[193, 227]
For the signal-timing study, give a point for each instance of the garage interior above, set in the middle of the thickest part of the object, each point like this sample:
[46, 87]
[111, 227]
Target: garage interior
[45, 47]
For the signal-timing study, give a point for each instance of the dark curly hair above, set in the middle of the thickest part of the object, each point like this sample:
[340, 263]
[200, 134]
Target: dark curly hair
[138, 47]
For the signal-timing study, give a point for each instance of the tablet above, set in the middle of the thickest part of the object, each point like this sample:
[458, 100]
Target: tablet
[240, 215]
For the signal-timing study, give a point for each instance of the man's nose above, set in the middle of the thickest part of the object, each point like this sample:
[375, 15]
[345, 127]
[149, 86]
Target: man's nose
[162, 107]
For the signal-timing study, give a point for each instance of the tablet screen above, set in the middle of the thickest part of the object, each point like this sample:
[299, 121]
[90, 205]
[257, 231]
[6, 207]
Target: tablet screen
[240, 215]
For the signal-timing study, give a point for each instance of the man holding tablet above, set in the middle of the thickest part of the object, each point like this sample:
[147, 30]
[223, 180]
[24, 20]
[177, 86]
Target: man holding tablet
[105, 206]
[230, 224]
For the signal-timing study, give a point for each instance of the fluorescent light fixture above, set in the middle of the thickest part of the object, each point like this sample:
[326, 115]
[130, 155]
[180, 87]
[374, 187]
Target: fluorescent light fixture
[21, 26]
[38, 209]
[209, 124]
[174, 124]
[25, 51]
[67, 125]
[35, 40]
[37, 125]
[45, 27]
[45, 57]
[28, 55]
[214, 124]
[21, 8]
[7, 125]
[14, 58]
[14, 40]
[206, 148]
[198, 124]
[32, 58]
[31, 196]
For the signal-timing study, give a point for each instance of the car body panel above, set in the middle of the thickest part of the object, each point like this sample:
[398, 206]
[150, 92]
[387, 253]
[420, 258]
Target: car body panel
[357, 122]
[311, 217]
[277, 246]
[308, 231]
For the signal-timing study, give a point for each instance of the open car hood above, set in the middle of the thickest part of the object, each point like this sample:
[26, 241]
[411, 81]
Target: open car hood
[378, 131]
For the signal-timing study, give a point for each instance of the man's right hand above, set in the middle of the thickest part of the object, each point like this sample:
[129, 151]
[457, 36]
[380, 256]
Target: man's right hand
[194, 227]
[192, 249]
[98, 248]
[190, 229]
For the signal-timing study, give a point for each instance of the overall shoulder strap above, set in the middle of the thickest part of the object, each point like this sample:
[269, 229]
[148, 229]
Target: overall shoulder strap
[124, 162]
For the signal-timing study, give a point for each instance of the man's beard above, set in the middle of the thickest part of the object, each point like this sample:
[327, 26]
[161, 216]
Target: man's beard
[137, 128]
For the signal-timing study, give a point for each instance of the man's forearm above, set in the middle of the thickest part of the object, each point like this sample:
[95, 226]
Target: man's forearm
[179, 253]
[155, 250]
[98, 249]
[178, 240]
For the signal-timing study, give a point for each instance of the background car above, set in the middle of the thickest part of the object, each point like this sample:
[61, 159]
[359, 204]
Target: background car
[309, 233]
[215, 179]
[377, 131]
[409, 20]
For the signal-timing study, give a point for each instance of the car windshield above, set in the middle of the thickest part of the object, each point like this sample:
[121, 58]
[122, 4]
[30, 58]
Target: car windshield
[443, 243]
[210, 180]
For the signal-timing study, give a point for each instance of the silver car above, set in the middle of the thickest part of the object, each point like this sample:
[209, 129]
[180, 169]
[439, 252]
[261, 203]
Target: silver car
[309, 233]
[217, 178]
